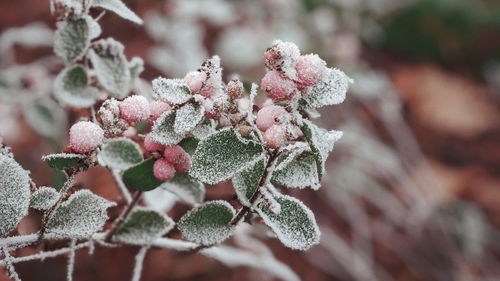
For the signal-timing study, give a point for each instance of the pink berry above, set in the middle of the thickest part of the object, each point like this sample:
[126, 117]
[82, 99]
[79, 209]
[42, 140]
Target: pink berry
[194, 80]
[243, 105]
[151, 145]
[85, 136]
[163, 170]
[275, 136]
[268, 116]
[178, 157]
[134, 109]
[277, 86]
[310, 69]
[157, 108]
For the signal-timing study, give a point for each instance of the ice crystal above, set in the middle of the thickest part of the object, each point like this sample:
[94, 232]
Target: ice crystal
[85, 136]
[163, 129]
[82, 215]
[247, 182]
[14, 193]
[119, 154]
[44, 198]
[299, 172]
[134, 109]
[331, 90]
[187, 117]
[173, 91]
[143, 226]
[208, 224]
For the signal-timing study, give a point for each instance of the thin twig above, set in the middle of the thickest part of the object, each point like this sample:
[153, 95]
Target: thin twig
[123, 216]
[139, 262]
[121, 186]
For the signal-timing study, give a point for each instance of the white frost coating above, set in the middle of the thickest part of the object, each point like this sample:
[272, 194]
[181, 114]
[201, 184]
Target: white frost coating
[213, 84]
[289, 53]
[173, 91]
[111, 67]
[187, 117]
[234, 257]
[94, 28]
[185, 188]
[72, 38]
[163, 129]
[332, 90]
[119, 154]
[51, 125]
[143, 226]
[246, 183]
[202, 131]
[295, 224]
[297, 173]
[44, 198]
[71, 261]
[208, 224]
[14, 193]
[82, 215]
[159, 200]
[139, 261]
[71, 87]
[117, 7]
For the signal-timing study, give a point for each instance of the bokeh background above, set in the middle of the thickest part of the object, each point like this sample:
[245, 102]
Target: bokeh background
[413, 187]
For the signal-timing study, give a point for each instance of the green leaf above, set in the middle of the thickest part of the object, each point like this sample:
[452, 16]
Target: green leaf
[247, 182]
[82, 215]
[140, 177]
[321, 142]
[332, 90]
[221, 155]
[174, 91]
[63, 161]
[209, 223]
[294, 225]
[71, 87]
[117, 7]
[72, 38]
[47, 118]
[186, 188]
[44, 198]
[14, 194]
[187, 117]
[299, 172]
[189, 145]
[111, 67]
[119, 154]
[163, 129]
[143, 226]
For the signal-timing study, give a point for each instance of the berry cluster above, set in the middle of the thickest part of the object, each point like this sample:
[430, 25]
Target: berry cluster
[173, 159]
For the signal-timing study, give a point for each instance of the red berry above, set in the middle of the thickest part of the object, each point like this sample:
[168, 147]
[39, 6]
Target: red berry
[163, 170]
[157, 108]
[85, 136]
[310, 69]
[275, 136]
[268, 116]
[178, 157]
[277, 86]
[195, 80]
[151, 145]
[134, 109]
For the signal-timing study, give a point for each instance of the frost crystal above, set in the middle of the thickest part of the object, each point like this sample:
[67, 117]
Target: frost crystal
[187, 118]
[119, 154]
[247, 182]
[72, 39]
[310, 69]
[85, 136]
[221, 155]
[299, 172]
[14, 193]
[186, 188]
[174, 91]
[71, 87]
[163, 129]
[117, 7]
[294, 225]
[208, 224]
[143, 226]
[44, 198]
[82, 215]
[330, 91]
[62, 161]
[134, 109]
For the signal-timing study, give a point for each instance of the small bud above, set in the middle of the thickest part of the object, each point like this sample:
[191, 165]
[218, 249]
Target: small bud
[157, 108]
[151, 146]
[275, 136]
[85, 136]
[281, 55]
[134, 109]
[268, 116]
[163, 170]
[310, 69]
[277, 86]
[195, 80]
[235, 89]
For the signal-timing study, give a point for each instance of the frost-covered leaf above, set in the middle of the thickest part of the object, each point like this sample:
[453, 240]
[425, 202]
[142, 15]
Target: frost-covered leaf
[111, 67]
[299, 172]
[82, 215]
[44, 198]
[117, 7]
[47, 118]
[189, 144]
[72, 38]
[14, 193]
[140, 177]
[332, 90]
[247, 182]
[208, 224]
[143, 226]
[119, 154]
[71, 87]
[186, 188]
[223, 154]
[294, 225]
[136, 67]
[187, 117]
[321, 142]
[174, 91]
[163, 129]
[202, 131]
[62, 161]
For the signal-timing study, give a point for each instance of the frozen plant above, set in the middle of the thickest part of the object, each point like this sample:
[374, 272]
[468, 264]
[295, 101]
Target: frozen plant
[199, 131]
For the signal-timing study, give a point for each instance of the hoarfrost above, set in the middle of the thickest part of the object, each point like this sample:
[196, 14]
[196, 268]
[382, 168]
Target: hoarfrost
[295, 224]
[163, 129]
[332, 90]
[186, 188]
[47, 118]
[119, 154]
[72, 39]
[44, 198]
[174, 91]
[82, 215]
[159, 200]
[62, 161]
[14, 193]
[71, 87]
[143, 226]
[299, 172]
[117, 7]
[247, 182]
[208, 224]
[187, 117]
